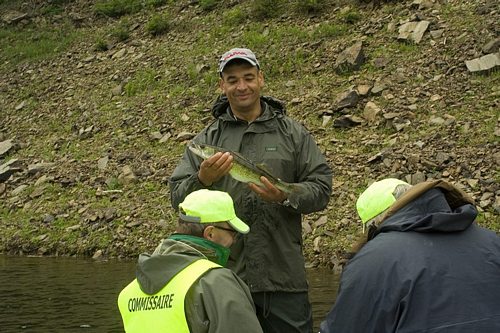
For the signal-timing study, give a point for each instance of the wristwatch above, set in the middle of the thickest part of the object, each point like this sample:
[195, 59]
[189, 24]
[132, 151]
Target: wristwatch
[286, 203]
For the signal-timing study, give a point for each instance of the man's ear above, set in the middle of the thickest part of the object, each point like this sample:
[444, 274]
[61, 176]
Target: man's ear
[221, 85]
[208, 232]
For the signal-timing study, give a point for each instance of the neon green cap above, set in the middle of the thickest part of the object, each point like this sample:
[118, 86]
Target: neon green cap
[377, 198]
[207, 206]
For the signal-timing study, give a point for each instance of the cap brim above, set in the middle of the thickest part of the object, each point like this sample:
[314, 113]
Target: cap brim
[239, 225]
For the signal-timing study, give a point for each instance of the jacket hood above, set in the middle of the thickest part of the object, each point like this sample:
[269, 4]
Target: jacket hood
[431, 206]
[430, 212]
[221, 105]
[154, 271]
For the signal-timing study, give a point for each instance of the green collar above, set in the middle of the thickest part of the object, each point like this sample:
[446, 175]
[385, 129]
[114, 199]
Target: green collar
[221, 252]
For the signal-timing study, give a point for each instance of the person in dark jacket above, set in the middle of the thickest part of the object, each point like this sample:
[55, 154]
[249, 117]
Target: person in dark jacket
[270, 259]
[426, 266]
[182, 287]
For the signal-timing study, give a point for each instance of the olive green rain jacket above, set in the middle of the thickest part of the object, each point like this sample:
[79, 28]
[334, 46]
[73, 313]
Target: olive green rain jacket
[269, 258]
[217, 302]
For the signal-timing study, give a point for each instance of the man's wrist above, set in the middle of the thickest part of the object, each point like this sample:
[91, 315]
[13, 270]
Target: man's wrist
[201, 181]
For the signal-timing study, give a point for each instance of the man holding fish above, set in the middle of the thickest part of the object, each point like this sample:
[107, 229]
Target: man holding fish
[275, 172]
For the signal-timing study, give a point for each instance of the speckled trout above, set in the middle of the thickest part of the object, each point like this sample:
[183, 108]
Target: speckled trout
[243, 169]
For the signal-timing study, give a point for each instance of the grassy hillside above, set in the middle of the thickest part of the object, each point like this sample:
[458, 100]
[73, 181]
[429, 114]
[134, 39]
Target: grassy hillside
[99, 98]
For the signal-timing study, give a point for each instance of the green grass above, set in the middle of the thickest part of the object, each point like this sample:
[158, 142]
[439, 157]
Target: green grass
[151, 187]
[329, 30]
[395, 49]
[234, 17]
[463, 14]
[291, 34]
[483, 123]
[254, 39]
[142, 82]
[281, 68]
[165, 85]
[34, 43]
[114, 184]
[24, 236]
[52, 9]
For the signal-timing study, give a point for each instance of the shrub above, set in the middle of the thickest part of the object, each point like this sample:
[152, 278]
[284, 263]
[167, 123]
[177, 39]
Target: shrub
[121, 32]
[208, 5]
[117, 8]
[156, 3]
[158, 25]
[266, 8]
[101, 44]
[310, 6]
[234, 16]
[351, 16]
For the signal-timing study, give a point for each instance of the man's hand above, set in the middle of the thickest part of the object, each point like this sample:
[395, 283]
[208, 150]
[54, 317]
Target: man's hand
[214, 168]
[268, 192]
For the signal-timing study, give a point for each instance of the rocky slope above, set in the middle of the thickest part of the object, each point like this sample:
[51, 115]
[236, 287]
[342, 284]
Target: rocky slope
[90, 132]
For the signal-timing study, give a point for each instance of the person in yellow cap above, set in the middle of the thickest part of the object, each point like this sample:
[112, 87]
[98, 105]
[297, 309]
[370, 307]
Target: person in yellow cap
[183, 286]
[426, 266]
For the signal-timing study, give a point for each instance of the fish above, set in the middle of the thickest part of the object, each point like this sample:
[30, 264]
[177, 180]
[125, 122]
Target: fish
[243, 169]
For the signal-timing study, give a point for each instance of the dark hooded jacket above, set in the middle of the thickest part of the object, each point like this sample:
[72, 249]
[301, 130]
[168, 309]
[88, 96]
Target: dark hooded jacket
[430, 268]
[217, 302]
[269, 258]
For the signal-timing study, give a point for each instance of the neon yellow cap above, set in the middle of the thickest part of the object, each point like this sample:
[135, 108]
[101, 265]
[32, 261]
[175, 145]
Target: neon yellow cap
[377, 198]
[207, 206]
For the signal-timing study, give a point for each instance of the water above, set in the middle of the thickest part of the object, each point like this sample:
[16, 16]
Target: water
[79, 295]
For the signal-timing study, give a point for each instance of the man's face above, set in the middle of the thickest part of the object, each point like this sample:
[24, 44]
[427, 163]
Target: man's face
[242, 83]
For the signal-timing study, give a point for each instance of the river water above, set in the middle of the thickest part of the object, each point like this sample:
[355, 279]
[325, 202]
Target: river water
[40, 294]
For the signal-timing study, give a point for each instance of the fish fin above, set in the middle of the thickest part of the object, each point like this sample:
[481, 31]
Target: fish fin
[245, 160]
[266, 172]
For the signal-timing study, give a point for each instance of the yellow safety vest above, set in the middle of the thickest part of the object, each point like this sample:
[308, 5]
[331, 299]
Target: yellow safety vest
[164, 311]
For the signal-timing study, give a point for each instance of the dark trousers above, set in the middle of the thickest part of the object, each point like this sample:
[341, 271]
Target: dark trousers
[284, 312]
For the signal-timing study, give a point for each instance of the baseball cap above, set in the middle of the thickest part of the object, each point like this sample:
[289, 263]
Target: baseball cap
[237, 53]
[208, 206]
[377, 198]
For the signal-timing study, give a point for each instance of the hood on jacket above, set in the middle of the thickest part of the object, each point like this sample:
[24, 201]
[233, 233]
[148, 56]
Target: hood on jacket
[154, 271]
[221, 104]
[430, 212]
[431, 206]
